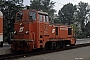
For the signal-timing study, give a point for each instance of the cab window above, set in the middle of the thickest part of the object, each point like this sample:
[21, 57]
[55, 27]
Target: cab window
[40, 18]
[56, 30]
[69, 31]
[32, 15]
[46, 19]
[19, 16]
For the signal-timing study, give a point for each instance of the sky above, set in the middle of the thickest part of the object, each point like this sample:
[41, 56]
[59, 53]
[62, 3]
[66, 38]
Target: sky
[59, 3]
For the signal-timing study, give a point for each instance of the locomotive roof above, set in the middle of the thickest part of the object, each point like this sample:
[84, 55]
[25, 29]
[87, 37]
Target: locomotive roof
[59, 24]
[1, 14]
[41, 12]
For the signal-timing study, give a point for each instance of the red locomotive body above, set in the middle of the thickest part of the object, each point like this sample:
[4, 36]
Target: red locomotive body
[33, 30]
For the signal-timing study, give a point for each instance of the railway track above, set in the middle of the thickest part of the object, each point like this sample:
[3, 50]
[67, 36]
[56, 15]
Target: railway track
[20, 55]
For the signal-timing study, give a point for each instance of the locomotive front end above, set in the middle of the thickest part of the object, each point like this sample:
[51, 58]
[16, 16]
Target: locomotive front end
[23, 35]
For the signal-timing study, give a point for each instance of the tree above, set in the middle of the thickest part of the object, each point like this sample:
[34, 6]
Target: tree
[75, 30]
[82, 12]
[36, 4]
[17, 1]
[44, 5]
[66, 14]
[87, 28]
[9, 9]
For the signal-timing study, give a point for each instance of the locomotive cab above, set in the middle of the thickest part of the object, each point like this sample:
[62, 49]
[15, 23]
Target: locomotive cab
[28, 30]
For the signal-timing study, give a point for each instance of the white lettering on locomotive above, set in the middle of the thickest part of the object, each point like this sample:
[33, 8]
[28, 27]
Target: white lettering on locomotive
[53, 30]
[21, 29]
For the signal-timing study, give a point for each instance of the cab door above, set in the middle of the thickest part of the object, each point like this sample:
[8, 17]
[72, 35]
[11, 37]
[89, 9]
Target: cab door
[41, 31]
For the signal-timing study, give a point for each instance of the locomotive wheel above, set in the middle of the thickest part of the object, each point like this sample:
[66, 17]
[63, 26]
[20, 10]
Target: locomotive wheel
[48, 46]
[57, 45]
[72, 44]
[61, 45]
[1, 44]
[64, 45]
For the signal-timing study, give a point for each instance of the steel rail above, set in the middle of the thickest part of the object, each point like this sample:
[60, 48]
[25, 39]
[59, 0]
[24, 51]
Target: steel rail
[39, 52]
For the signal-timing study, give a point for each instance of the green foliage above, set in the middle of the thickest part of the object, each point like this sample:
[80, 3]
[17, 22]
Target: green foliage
[9, 9]
[75, 29]
[66, 14]
[82, 12]
[56, 20]
[36, 4]
[18, 1]
[87, 29]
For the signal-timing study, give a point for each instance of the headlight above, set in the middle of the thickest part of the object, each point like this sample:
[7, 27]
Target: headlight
[20, 24]
[27, 32]
[15, 32]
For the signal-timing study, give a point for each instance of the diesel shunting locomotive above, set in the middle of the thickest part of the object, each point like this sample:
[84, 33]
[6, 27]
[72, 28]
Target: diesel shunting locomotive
[32, 30]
